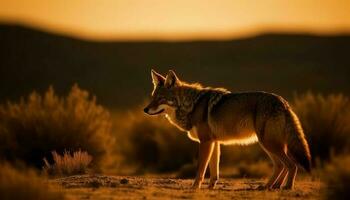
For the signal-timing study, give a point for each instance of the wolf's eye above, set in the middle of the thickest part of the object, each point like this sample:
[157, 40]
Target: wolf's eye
[162, 100]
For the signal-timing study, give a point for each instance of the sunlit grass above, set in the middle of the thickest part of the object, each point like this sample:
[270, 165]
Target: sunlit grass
[68, 164]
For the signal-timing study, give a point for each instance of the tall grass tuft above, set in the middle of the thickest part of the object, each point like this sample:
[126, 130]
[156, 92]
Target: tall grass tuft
[68, 164]
[25, 185]
[326, 122]
[31, 128]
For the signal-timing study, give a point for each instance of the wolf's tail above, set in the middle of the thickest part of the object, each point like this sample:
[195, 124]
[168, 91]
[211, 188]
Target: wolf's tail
[297, 145]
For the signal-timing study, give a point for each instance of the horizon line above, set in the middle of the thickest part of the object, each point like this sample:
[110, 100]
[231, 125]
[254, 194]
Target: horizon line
[163, 38]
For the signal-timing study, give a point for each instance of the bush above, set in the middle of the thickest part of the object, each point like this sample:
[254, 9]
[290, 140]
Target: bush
[152, 144]
[326, 122]
[32, 128]
[337, 178]
[187, 171]
[25, 185]
[258, 169]
[68, 164]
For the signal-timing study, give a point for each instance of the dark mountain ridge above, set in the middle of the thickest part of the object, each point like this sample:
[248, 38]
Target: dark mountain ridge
[118, 73]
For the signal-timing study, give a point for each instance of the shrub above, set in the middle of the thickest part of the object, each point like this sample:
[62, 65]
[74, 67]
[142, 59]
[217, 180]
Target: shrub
[188, 170]
[33, 127]
[232, 155]
[258, 169]
[68, 164]
[152, 144]
[25, 185]
[326, 122]
[337, 178]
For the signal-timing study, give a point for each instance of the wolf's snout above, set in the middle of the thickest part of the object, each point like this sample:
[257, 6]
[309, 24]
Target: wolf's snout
[146, 110]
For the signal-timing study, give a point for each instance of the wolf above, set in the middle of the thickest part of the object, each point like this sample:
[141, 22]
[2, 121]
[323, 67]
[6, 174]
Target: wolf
[215, 116]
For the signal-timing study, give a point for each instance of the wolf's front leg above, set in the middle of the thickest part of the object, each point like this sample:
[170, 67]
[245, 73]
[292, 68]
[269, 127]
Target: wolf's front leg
[214, 166]
[205, 151]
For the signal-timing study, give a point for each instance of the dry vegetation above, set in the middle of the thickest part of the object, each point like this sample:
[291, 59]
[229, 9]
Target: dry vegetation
[26, 184]
[74, 134]
[68, 164]
[326, 123]
[140, 187]
[34, 127]
[151, 144]
[337, 177]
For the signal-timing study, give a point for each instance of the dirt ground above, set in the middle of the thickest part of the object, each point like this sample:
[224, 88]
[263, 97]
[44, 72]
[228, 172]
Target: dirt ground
[136, 187]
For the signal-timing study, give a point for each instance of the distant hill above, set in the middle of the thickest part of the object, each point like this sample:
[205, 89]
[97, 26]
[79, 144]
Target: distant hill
[118, 73]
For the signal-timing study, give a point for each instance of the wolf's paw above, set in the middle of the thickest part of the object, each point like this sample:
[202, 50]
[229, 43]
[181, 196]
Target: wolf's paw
[262, 187]
[196, 185]
[287, 187]
[275, 187]
[212, 185]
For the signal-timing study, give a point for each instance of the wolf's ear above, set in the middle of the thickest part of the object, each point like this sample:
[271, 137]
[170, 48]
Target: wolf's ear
[171, 79]
[157, 78]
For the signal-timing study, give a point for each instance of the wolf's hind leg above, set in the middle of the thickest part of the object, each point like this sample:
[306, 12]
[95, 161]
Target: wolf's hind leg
[214, 166]
[278, 168]
[280, 179]
[291, 167]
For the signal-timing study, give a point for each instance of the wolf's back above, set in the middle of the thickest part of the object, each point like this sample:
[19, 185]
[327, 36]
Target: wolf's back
[297, 145]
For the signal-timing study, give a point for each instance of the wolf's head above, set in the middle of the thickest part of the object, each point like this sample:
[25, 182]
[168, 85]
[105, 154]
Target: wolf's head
[163, 95]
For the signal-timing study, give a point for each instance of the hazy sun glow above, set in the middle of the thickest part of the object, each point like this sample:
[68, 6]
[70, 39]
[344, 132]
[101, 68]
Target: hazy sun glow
[180, 19]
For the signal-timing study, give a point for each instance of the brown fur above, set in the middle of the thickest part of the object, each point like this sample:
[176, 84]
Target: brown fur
[214, 116]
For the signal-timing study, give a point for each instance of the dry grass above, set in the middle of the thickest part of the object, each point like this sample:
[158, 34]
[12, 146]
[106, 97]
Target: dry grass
[156, 187]
[25, 185]
[258, 169]
[326, 122]
[151, 143]
[68, 164]
[33, 127]
[337, 178]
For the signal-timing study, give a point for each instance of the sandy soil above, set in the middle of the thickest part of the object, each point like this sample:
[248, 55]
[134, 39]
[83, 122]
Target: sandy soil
[135, 187]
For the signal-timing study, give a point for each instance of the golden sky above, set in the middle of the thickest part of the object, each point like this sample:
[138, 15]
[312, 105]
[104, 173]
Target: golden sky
[178, 19]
